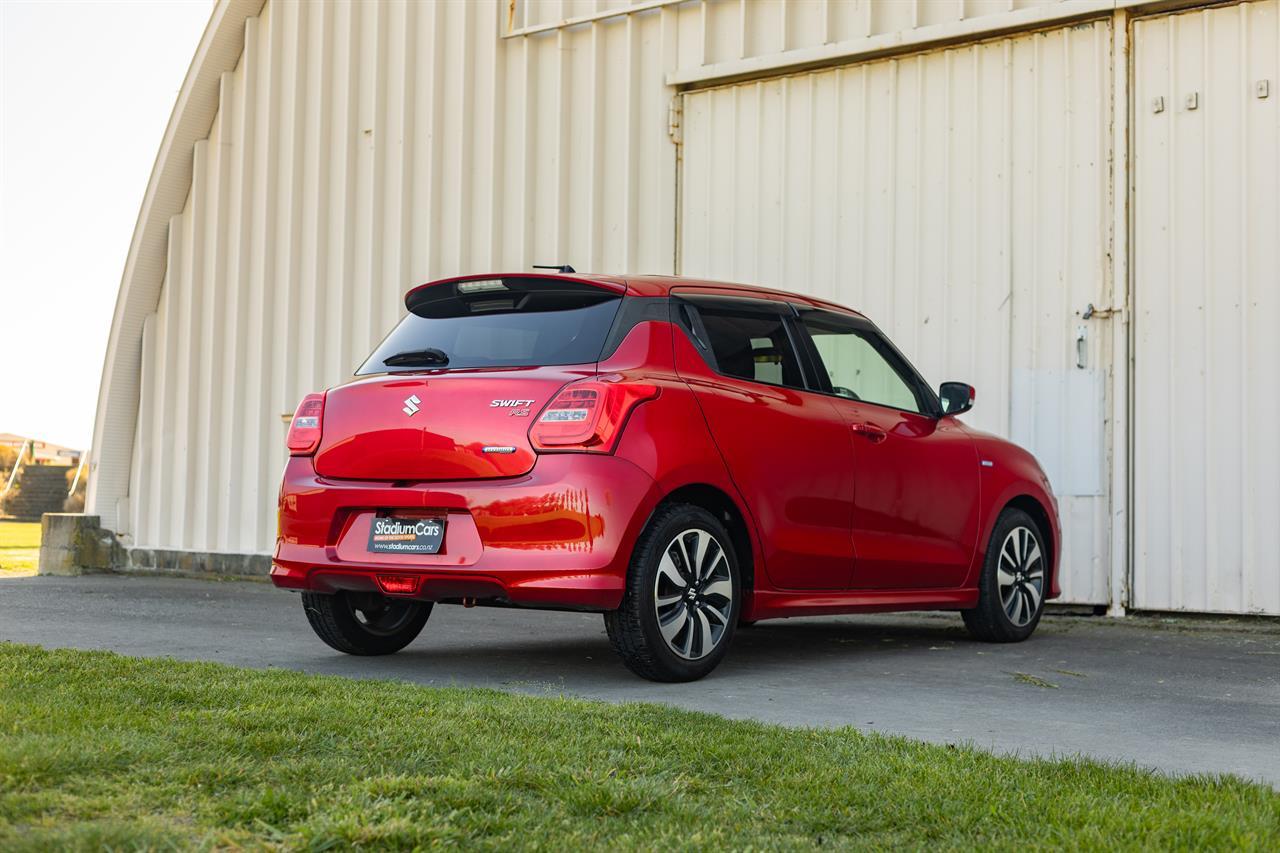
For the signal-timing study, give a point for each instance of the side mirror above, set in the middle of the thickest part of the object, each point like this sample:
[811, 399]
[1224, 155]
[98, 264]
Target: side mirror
[957, 397]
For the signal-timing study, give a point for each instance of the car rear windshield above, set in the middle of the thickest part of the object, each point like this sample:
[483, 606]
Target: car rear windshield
[497, 323]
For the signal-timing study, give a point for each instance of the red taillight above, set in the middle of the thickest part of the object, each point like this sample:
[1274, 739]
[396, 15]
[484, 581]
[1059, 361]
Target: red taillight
[588, 415]
[398, 584]
[308, 421]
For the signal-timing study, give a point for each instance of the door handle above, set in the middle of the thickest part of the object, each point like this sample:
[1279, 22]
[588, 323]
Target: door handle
[871, 433]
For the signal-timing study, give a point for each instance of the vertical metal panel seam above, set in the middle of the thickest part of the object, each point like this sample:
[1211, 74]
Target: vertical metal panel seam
[162, 447]
[810, 180]
[435, 170]
[596, 154]
[1119, 146]
[466, 122]
[917, 212]
[837, 177]
[142, 438]
[529, 127]
[1006, 227]
[189, 354]
[705, 34]
[1244, 570]
[1173, 582]
[733, 211]
[315, 308]
[631, 156]
[1207, 105]
[403, 191]
[257, 80]
[891, 169]
[949, 136]
[500, 104]
[377, 63]
[232, 107]
[213, 282]
[1064, 261]
[784, 263]
[290, 248]
[864, 171]
[757, 185]
[975, 218]
[267, 230]
[233, 423]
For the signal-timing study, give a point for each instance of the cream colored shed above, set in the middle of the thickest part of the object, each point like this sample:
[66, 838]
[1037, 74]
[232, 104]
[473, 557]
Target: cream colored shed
[1071, 203]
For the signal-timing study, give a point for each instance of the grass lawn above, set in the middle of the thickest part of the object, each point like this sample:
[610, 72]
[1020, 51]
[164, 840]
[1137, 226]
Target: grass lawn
[98, 750]
[19, 547]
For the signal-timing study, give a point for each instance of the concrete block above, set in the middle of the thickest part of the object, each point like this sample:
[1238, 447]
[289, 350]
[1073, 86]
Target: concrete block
[72, 543]
[198, 563]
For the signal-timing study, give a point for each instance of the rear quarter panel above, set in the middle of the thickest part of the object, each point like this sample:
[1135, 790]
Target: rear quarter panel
[667, 437]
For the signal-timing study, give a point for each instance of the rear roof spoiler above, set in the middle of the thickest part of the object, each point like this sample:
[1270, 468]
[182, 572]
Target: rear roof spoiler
[609, 283]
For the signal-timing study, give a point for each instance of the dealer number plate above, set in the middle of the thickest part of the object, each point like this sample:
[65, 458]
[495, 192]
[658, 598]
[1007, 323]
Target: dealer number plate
[406, 535]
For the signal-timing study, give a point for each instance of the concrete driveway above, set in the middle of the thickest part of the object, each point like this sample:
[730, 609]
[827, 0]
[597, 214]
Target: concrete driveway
[1165, 694]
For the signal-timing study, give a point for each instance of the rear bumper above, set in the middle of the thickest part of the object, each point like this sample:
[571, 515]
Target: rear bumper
[559, 536]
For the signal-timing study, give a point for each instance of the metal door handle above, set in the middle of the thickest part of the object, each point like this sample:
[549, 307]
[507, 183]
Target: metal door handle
[872, 433]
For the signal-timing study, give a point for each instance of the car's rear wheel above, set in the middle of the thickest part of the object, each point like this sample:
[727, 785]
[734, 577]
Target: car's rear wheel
[365, 623]
[682, 600]
[1014, 579]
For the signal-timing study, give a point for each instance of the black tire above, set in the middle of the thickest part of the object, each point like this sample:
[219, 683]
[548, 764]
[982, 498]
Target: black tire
[1010, 613]
[636, 628]
[365, 623]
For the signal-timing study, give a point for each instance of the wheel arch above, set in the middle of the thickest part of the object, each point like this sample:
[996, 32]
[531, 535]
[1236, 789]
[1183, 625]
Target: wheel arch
[720, 504]
[1040, 515]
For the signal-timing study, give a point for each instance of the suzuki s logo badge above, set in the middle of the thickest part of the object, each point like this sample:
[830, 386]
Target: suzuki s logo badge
[411, 405]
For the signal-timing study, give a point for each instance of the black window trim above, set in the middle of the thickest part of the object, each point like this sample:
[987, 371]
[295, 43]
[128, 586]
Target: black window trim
[633, 311]
[691, 323]
[904, 368]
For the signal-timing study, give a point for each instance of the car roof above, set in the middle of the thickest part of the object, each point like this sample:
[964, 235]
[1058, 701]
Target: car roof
[662, 285]
[651, 286]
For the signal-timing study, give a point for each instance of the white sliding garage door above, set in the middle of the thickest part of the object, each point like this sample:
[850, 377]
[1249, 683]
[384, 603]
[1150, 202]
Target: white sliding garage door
[1206, 127]
[960, 198]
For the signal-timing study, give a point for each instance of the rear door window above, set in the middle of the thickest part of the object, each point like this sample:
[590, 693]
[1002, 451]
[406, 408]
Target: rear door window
[520, 323]
[749, 341]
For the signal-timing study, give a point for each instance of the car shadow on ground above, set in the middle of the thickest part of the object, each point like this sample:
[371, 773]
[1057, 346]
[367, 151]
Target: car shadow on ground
[584, 656]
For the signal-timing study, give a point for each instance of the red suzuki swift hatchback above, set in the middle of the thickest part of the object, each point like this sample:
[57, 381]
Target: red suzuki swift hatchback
[683, 456]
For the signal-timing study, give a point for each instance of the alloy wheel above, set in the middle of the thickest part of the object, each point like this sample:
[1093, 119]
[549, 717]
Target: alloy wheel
[381, 616]
[693, 594]
[1020, 576]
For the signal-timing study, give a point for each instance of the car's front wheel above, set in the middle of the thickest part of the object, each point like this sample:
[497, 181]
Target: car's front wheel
[682, 600]
[1014, 579]
[365, 623]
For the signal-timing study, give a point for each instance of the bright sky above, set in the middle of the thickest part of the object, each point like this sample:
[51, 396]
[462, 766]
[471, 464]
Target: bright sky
[86, 89]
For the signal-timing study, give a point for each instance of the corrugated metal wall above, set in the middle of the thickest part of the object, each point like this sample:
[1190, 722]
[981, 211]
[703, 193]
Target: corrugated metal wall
[1207, 301]
[959, 198]
[962, 197]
